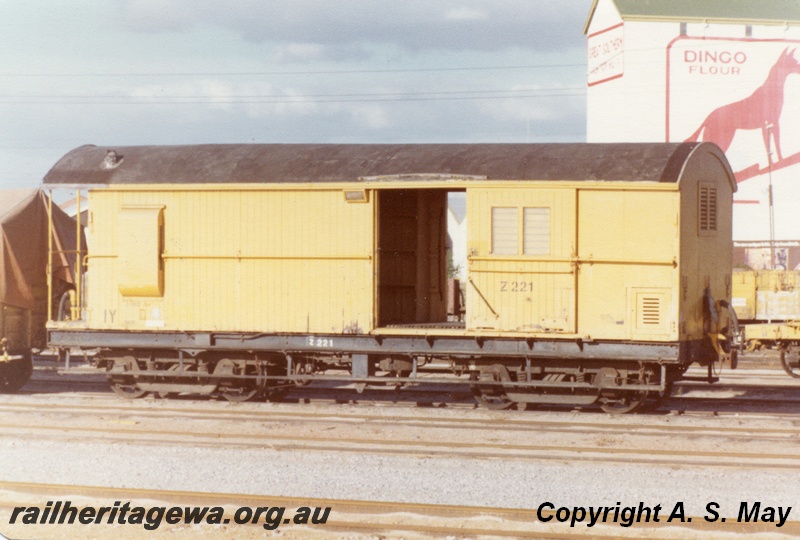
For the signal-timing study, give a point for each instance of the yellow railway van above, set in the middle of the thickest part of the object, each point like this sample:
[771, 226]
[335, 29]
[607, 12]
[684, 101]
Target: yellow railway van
[596, 273]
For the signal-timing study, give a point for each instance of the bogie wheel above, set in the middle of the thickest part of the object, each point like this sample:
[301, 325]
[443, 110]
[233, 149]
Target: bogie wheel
[276, 389]
[792, 368]
[655, 399]
[618, 402]
[239, 390]
[170, 395]
[125, 385]
[491, 396]
[15, 373]
[276, 394]
[128, 390]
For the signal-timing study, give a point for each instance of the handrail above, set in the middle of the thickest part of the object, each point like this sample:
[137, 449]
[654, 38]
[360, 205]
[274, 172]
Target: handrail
[52, 252]
[573, 260]
[50, 256]
[77, 306]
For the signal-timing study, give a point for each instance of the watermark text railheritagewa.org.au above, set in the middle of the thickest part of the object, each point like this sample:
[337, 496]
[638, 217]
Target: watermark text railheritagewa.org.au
[151, 518]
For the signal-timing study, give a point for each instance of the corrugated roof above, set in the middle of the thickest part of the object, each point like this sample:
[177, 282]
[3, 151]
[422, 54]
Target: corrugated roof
[724, 11]
[302, 163]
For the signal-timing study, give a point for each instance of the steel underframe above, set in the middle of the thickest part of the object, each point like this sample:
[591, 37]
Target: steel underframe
[345, 344]
[359, 347]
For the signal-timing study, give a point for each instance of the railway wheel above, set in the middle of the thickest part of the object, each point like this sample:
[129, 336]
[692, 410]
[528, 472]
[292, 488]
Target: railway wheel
[621, 402]
[791, 367]
[14, 374]
[491, 396]
[276, 389]
[123, 379]
[236, 389]
[655, 399]
[166, 394]
[277, 392]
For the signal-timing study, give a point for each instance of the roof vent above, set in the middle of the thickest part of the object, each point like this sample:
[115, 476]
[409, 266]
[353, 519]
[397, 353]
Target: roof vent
[111, 161]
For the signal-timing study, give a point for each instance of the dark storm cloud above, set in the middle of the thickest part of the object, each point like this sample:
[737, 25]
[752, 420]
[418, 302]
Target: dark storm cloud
[346, 25]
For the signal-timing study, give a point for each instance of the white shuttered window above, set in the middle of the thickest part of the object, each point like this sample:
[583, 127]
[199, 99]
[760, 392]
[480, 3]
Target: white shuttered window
[537, 231]
[505, 230]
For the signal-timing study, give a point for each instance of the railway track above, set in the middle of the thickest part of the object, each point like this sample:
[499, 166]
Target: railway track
[480, 436]
[756, 394]
[747, 392]
[413, 520]
[721, 397]
[494, 421]
[374, 446]
[724, 443]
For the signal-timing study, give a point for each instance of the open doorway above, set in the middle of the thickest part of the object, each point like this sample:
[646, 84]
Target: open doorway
[413, 259]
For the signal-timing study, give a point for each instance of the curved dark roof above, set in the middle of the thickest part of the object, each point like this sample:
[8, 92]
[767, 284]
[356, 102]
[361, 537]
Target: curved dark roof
[301, 163]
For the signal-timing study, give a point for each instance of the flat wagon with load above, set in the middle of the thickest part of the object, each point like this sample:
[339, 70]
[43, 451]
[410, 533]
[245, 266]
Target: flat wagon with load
[596, 273]
[767, 302]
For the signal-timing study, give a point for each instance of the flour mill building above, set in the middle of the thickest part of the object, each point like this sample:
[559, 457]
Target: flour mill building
[726, 71]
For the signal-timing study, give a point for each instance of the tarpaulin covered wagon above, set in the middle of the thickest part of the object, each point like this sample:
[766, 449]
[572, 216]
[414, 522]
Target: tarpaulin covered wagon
[24, 240]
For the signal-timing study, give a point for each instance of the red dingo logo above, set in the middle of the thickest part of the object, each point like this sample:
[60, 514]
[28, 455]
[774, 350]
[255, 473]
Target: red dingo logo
[760, 110]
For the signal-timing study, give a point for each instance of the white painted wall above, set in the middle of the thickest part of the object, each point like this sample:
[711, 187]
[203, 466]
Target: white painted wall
[670, 83]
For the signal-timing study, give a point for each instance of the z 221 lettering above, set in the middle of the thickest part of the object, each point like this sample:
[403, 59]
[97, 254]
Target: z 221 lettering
[516, 286]
[319, 342]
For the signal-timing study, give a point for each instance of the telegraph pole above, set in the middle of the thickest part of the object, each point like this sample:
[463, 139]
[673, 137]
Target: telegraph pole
[771, 201]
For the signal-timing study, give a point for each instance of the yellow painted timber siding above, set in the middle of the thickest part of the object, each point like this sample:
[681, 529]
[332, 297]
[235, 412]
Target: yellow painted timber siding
[517, 281]
[628, 252]
[609, 268]
[241, 260]
[604, 260]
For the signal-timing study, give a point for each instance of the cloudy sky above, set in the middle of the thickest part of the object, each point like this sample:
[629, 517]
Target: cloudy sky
[128, 72]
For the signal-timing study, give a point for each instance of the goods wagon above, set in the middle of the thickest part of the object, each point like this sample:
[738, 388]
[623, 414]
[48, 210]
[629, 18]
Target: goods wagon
[768, 302]
[596, 273]
[766, 295]
[24, 233]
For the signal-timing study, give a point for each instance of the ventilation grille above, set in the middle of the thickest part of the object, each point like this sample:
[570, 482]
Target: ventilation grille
[649, 310]
[708, 209]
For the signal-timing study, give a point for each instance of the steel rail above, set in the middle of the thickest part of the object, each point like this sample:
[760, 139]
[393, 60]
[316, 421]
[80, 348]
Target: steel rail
[492, 422]
[645, 455]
